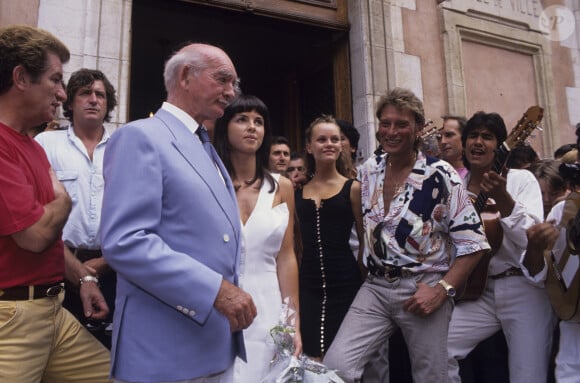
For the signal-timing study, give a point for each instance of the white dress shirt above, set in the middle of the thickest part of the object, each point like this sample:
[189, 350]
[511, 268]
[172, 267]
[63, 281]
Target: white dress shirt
[83, 180]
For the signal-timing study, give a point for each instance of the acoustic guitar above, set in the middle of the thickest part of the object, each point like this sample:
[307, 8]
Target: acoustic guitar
[563, 279]
[478, 278]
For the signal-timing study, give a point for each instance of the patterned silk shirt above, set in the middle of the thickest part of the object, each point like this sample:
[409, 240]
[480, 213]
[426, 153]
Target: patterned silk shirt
[428, 224]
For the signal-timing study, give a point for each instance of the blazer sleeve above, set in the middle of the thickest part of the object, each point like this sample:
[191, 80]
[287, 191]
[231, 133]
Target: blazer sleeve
[133, 240]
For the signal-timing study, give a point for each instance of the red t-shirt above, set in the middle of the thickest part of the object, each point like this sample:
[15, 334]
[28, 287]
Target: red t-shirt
[25, 187]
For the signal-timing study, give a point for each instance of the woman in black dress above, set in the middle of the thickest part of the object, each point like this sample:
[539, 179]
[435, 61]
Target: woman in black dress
[330, 274]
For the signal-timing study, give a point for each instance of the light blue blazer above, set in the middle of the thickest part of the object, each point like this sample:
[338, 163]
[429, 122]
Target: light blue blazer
[171, 229]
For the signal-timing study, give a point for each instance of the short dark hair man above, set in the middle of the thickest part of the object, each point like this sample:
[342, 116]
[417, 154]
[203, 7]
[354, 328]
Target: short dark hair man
[43, 341]
[513, 300]
[279, 154]
[450, 142]
[296, 170]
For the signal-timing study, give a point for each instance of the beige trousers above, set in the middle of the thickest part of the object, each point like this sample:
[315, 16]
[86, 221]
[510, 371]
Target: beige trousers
[42, 342]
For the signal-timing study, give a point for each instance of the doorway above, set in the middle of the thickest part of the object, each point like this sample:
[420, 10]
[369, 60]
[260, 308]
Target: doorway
[299, 70]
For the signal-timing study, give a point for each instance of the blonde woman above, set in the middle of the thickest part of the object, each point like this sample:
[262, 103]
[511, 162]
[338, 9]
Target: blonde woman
[327, 207]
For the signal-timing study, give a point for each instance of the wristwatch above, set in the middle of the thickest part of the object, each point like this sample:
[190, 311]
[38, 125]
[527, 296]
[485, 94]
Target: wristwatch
[449, 289]
[89, 278]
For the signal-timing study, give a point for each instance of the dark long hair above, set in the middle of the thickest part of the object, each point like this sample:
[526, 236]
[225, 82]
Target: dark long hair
[245, 103]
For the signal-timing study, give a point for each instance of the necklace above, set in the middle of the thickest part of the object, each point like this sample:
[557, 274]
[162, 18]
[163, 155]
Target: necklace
[399, 186]
[238, 185]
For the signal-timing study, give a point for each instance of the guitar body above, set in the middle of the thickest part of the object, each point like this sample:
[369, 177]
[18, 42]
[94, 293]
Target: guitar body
[566, 299]
[477, 280]
[493, 230]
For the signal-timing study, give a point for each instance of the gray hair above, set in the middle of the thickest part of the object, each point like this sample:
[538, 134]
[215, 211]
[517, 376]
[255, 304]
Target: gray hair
[194, 58]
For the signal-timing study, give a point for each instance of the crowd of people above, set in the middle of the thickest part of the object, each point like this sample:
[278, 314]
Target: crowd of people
[156, 254]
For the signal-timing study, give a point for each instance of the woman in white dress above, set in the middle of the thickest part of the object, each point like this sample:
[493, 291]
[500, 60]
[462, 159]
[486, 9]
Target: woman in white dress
[269, 270]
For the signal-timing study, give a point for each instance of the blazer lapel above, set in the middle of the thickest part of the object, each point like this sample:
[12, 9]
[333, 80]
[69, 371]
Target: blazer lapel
[194, 153]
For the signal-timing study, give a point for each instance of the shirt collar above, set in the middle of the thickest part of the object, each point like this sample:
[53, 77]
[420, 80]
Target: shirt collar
[185, 118]
[72, 134]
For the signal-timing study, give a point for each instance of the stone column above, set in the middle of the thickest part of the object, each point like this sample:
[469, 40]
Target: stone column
[378, 61]
[97, 32]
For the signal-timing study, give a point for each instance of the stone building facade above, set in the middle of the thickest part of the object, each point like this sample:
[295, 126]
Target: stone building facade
[459, 56]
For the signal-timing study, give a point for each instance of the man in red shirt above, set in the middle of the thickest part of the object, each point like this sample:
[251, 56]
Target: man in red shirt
[39, 341]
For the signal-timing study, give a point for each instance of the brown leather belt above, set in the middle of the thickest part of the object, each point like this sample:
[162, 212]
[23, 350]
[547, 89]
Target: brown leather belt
[511, 272]
[24, 293]
[84, 255]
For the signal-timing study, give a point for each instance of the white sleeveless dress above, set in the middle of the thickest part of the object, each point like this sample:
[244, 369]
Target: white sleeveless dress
[262, 239]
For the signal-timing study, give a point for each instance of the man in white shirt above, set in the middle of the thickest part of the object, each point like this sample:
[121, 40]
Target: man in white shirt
[76, 155]
[513, 300]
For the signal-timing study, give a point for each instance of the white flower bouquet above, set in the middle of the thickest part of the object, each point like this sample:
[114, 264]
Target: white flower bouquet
[285, 367]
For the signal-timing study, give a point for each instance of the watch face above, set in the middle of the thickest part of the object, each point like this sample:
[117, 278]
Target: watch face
[451, 292]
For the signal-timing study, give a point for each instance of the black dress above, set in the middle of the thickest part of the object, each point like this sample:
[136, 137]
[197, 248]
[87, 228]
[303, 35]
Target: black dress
[329, 275]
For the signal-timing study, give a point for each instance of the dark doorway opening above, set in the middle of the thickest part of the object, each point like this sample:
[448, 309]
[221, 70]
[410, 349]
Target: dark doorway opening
[289, 65]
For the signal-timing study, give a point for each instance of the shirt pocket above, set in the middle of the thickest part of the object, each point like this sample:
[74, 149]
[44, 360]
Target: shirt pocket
[69, 179]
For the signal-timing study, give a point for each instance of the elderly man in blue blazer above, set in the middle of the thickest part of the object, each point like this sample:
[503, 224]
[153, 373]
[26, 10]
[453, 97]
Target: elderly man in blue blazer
[170, 228]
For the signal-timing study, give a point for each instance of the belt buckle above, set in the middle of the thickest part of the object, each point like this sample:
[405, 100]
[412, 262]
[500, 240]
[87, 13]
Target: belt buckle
[390, 274]
[391, 279]
[53, 291]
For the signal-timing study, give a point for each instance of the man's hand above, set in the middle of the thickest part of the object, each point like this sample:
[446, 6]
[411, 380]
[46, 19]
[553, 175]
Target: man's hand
[94, 305]
[236, 305]
[426, 300]
[99, 266]
[495, 185]
[541, 236]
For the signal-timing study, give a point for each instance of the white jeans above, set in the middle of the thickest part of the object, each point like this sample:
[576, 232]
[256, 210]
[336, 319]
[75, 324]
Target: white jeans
[373, 317]
[523, 312]
[568, 359]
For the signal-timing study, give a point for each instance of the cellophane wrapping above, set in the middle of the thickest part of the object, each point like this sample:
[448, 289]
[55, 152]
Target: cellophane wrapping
[285, 367]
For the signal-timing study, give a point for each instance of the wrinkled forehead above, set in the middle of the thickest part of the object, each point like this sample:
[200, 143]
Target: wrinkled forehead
[220, 61]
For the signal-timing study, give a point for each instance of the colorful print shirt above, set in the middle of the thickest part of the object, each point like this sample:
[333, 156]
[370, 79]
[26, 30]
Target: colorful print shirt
[428, 224]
